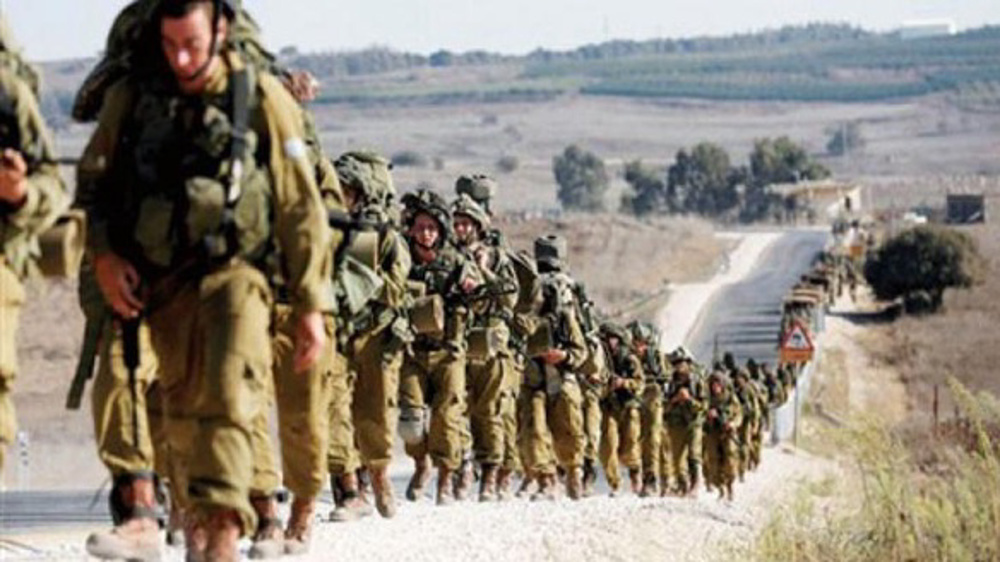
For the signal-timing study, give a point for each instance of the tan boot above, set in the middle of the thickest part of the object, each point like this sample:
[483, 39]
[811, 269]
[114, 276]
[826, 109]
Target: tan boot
[421, 474]
[524, 490]
[503, 484]
[223, 533]
[488, 484]
[574, 483]
[635, 480]
[546, 488]
[137, 537]
[298, 535]
[350, 507]
[463, 481]
[445, 492]
[382, 490]
[268, 539]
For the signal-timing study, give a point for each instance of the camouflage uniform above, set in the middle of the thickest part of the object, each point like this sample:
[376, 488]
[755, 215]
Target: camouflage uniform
[24, 131]
[682, 414]
[655, 374]
[621, 428]
[723, 417]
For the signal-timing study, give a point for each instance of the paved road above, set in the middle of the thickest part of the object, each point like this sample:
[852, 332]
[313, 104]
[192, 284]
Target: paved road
[746, 315]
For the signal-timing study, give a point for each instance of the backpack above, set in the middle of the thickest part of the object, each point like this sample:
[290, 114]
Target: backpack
[528, 281]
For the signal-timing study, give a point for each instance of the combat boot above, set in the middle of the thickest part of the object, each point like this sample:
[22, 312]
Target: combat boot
[589, 478]
[223, 535]
[488, 484]
[648, 486]
[664, 487]
[382, 490]
[546, 488]
[350, 507]
[635, 480]
[692, 491]
[421, 474]
[574, 483]
[503, 484]
[298, 535]
[463, 481]
[137, 536]
[268, 539]
[445, 491]
[525, 488]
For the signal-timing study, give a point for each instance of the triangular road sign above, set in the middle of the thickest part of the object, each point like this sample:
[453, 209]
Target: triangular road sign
[797, 339]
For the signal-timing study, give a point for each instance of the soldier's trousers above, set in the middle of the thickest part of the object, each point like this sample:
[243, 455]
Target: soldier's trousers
[721, 458]
[376, 362]
[534, 437]
[215, 333]
[342, 455]
[685, 454]
[591, 423]
[11, 300]
[435, 380]
[302, 401]
[562, 421]
[620, 434]
[112, 405]
[744, 440]
[509, 416]
[651, 414]
[486, 382]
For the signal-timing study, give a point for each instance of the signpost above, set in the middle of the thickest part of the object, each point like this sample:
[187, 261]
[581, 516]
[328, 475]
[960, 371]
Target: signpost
[797, 346]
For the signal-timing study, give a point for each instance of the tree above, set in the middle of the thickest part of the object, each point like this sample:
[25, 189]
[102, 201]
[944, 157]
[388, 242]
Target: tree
[782, 161]
[845, 139]
[918, 264]
[582, 179]
[649, 189]
[700, 181]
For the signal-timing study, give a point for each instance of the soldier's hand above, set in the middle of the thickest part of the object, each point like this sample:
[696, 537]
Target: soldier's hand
[13, 177]
[554, 356]
[712, 414]
[302, 85]
[683, 395]
[617, 383]
[310, 337]
[119, 282]
[469, 284]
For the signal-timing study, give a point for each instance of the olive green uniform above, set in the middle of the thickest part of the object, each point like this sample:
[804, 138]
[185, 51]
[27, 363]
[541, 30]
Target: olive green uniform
[723, 418]
[433, 373]
[23, 129]
[651, 414]
[211, 317]
[749, 427]
[683, 419]
[621, 431]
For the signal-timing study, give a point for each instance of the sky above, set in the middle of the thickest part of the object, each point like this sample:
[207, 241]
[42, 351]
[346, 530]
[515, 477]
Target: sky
[56, 29]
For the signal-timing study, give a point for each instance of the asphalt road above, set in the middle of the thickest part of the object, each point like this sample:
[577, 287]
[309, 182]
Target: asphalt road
[745, 317]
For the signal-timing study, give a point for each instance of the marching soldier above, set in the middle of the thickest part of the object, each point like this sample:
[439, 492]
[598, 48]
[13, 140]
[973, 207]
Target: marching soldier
[621, 427]
[683, 413]
[723, 417]
[646, 347]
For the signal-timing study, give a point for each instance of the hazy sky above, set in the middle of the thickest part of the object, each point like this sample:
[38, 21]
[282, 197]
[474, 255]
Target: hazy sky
[49, 29]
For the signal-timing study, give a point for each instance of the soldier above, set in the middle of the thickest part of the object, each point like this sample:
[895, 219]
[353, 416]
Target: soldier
[594, 376]
[747, 431]
[552, 383]
[490, 359]
[621, 428]
[433, 373]
[646, 346]
[682, 414]
[376, 333]
[179, 192]
[723, 417]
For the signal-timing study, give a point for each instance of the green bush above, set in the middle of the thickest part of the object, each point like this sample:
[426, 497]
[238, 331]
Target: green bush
[582, 179]
[920, 263]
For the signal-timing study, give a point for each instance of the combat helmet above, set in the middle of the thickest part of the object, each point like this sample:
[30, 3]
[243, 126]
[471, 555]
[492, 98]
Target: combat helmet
[612, 330]
[368, 173]
[643, 331]
[430, 203]
[480, 187]
[551, 252]
[466, 206]
[680, 355]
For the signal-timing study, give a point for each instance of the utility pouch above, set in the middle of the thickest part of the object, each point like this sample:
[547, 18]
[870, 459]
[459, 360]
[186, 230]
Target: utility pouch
[62, 245]
[541, 339]
[427, 315]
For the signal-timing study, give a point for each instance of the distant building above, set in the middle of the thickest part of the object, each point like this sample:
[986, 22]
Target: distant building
[966, 208]
[830, 198]
[923, 29]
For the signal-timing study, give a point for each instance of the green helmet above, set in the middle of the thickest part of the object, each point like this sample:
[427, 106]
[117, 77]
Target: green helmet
[466, 206]
[551, 251]
[643, 331]
[681, 354]
[430, 203]
[612, 330]
[481, 188]
[368, 173]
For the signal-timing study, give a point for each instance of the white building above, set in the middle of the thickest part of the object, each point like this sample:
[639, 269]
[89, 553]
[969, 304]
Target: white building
[921, 29]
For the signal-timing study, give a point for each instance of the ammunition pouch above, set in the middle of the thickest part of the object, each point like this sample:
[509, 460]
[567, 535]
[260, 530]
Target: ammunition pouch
[427, 316]
[416, 289]
[484, 343]
[540, 340]
[62, 246]
[364, 248]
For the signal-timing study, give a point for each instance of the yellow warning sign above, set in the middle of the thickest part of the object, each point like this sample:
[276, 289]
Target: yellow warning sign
[797, 346]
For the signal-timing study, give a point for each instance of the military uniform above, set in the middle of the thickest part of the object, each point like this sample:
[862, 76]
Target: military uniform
[432, 379]
[23, 130]
[682, 413]
[654, 373]
[723, 417]
[210, 314]
[621, 428]
[748, 431]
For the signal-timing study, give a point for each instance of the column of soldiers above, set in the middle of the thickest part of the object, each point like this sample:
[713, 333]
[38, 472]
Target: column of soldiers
[233, 269]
